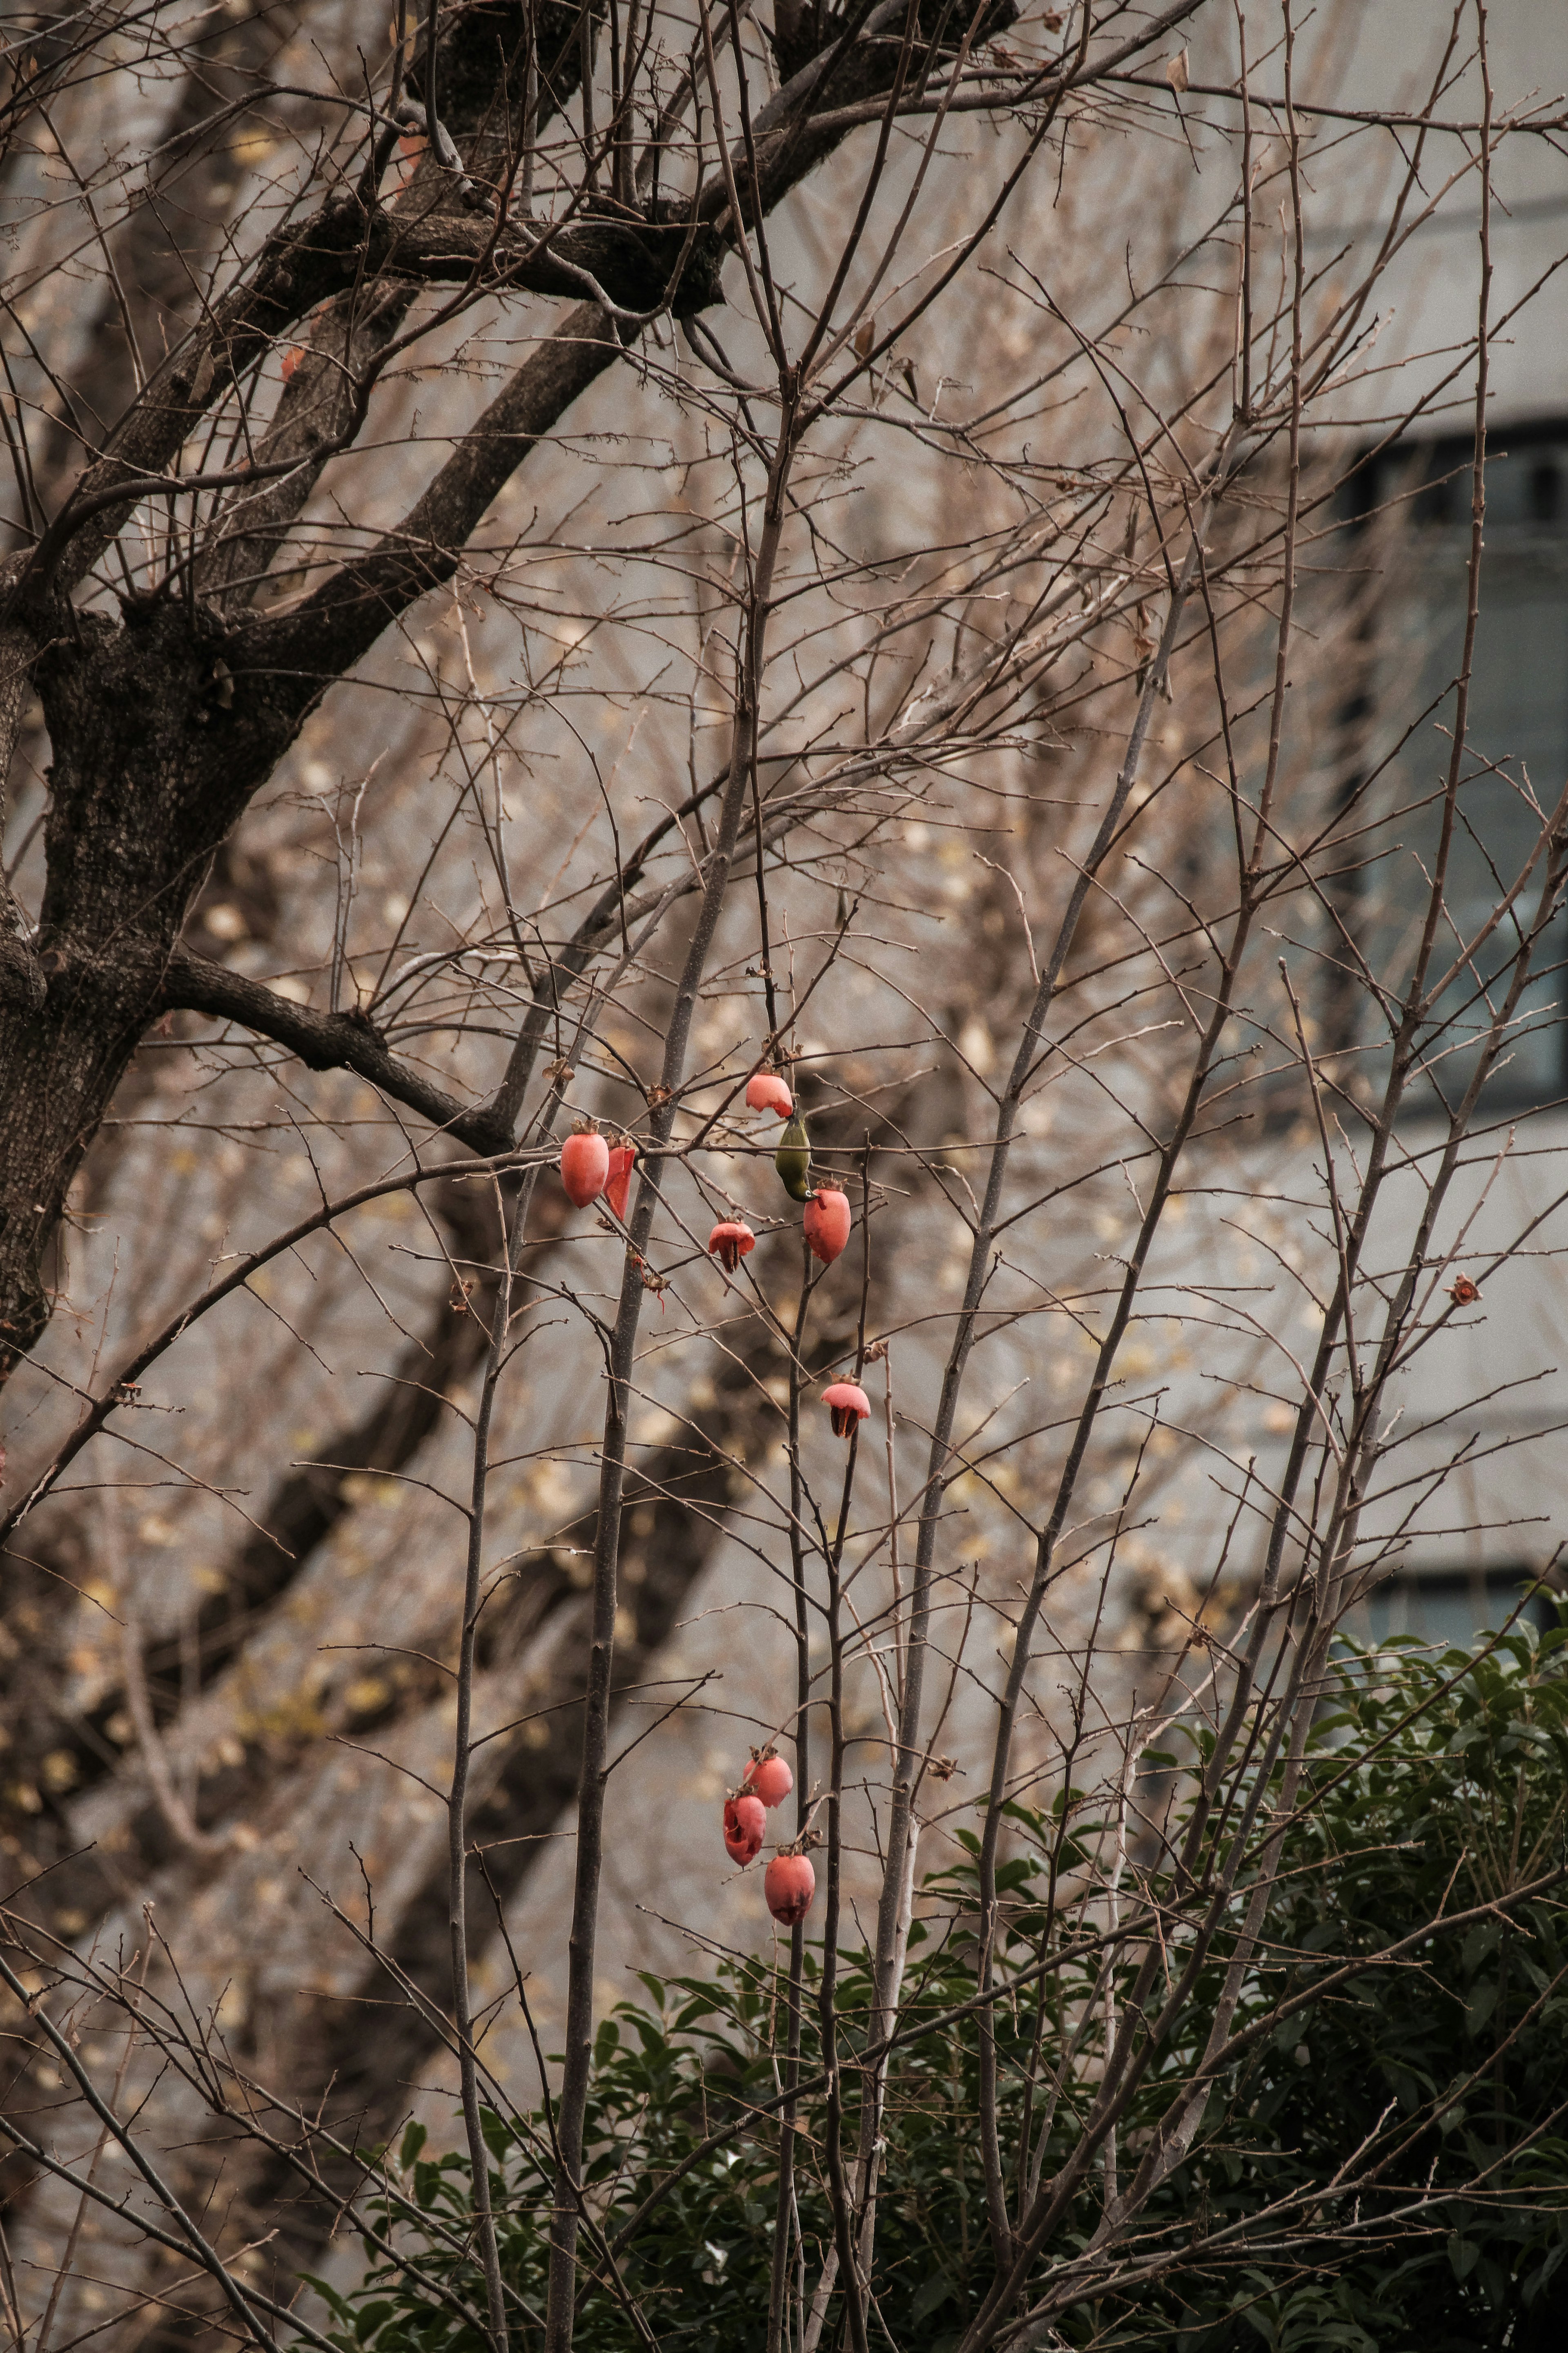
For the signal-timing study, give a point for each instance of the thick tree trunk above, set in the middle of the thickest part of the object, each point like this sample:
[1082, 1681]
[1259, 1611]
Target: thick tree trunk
[63, 1058]
[133, 822]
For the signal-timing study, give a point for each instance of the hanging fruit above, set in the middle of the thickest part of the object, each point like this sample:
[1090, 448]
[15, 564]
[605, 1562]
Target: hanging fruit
[621, 1158]
[584, 1164]
[793, 1159]
[789, 1883]
[827, 1222]
[744, 1822]
[769, 1776]
[848, 1404]
[767, 1091]
[730, 1242]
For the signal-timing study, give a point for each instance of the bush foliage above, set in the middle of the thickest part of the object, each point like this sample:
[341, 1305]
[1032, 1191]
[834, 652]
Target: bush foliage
[1384, 2166]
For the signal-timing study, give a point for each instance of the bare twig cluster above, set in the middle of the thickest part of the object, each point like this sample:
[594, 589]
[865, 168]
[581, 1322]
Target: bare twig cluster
[564, 561]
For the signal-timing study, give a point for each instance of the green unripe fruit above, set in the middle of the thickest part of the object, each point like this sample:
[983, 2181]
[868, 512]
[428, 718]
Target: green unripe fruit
[792, 1160]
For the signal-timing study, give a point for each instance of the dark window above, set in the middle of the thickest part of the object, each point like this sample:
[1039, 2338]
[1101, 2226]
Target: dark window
[1415, 516]
[1449, 1608]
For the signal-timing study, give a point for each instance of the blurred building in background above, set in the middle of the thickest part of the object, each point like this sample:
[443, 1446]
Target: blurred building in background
[1491, 1396]
[1501, 1378]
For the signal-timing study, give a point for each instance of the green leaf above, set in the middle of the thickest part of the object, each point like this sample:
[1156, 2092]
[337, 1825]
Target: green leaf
[1482, 1939]
[413, 2139]
[932, 2293]
[1481, 2004]
[335, 2304]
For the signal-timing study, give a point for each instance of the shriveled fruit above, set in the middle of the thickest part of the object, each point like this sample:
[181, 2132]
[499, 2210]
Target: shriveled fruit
[730, 1242]
[826, 1222]
[744, 1822]
[767, 1091]
[769, 1777]
[848, 1404]
[793, 1159]
[789, 1883]
[621, 1158]
[584, 1164]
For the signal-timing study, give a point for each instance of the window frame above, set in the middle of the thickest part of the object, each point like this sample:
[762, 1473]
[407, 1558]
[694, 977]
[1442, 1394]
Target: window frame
[1438, 499]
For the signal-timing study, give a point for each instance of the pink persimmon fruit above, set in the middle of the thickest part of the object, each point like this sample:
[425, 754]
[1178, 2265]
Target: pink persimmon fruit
[584, 1164]
[769, 1776]
[827, 1222]
[789, 1883]
[730, 1241]
[765, 1091]
[622, 1158]
[744, 1822]
[848, 1404]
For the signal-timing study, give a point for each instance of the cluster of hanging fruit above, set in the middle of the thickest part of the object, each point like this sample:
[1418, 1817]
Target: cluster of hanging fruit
[789, 1882]
[590, 1166]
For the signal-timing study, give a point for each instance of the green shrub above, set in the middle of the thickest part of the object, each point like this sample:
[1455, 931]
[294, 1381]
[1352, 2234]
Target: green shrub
[1448, 2068]
[1433, 1787]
